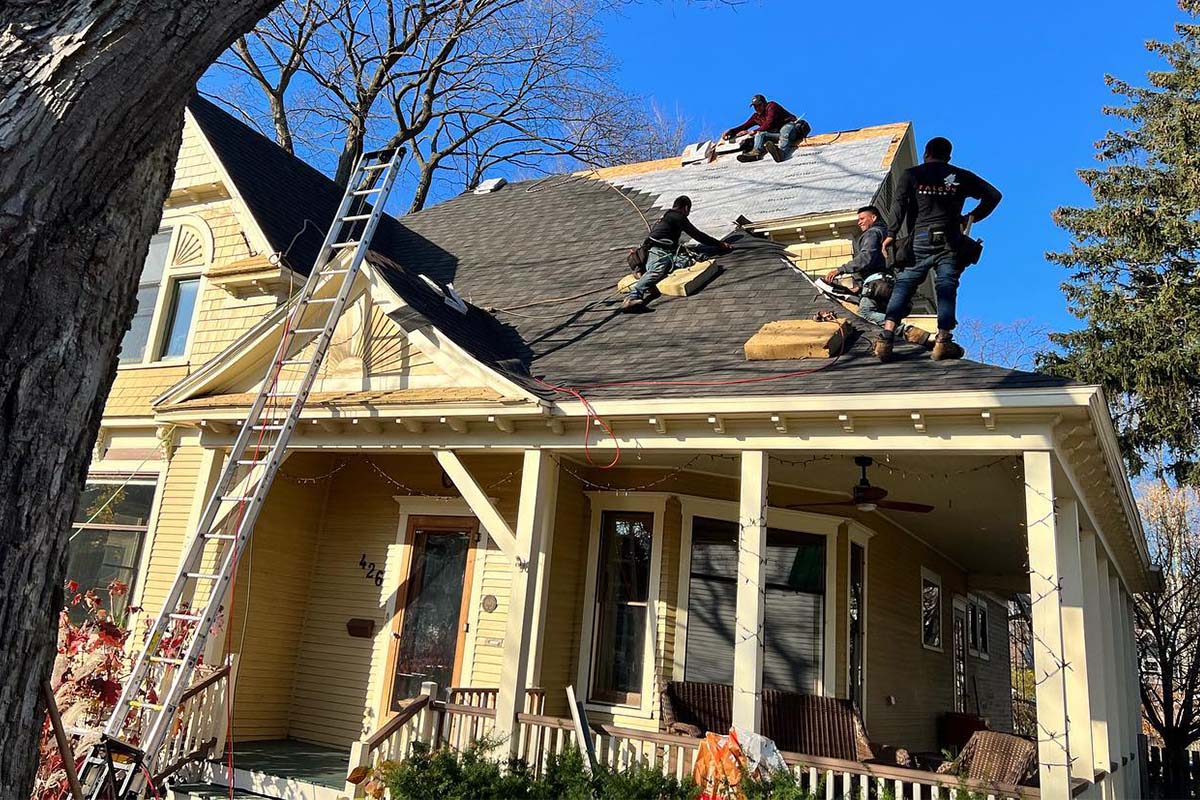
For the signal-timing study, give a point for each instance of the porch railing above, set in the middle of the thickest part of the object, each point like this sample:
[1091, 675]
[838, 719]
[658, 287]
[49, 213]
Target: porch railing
[541, 737]
[200, 725]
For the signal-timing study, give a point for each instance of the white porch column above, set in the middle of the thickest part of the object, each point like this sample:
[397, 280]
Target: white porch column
[1044, 574]
[1094, 622]
[1074, 632]
[1120, 670]
[1115, 706]
[751, 593]
[535, 517]
[1133, 693]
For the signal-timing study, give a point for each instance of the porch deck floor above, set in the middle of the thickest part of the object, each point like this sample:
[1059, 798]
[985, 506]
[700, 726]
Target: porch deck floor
[289, 758]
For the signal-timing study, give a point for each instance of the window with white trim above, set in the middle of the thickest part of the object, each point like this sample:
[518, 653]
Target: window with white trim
[167, 298]
[105, 542]
[977, 627]
[622, 607]
[931, 610]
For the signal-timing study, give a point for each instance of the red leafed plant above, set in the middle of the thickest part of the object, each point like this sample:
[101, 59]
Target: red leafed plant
[90, 669]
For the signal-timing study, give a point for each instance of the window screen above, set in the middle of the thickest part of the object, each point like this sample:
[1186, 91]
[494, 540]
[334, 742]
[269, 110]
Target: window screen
[795, 603]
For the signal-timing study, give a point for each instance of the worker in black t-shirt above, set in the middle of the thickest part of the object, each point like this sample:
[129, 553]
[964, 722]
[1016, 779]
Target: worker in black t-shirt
[662, 250]
[931, 197]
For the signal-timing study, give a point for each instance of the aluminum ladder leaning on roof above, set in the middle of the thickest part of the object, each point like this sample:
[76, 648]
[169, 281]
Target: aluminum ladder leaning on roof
[119, 766]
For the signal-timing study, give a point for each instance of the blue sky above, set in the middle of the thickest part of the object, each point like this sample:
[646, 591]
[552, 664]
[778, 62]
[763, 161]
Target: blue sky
[1017, 86]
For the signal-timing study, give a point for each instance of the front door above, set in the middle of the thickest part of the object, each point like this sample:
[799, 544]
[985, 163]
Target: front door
[429, 634]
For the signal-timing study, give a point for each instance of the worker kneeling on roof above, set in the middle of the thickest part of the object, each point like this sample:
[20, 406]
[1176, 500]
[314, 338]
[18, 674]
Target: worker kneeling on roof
[931, 196]
[776, 130]
[872, 276]
[663, 252]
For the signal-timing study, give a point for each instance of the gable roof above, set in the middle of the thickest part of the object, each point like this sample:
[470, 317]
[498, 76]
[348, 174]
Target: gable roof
[539, 262]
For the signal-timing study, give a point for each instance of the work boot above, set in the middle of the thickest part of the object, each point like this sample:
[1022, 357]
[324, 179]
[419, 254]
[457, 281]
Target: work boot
[883, 347]
[914, 335]
[945, 348]
[774, 150]
[633, 305]
[752, 155]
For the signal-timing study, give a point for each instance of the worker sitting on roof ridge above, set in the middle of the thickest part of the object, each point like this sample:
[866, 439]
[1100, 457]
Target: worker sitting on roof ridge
[873, 276]
[931, 195]
[662, 246]
[770, 123]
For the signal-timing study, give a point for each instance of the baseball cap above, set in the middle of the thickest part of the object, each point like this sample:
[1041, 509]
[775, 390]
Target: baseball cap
[758, 98]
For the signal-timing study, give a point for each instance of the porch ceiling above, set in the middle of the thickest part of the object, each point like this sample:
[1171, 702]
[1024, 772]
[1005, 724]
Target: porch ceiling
[979, 501]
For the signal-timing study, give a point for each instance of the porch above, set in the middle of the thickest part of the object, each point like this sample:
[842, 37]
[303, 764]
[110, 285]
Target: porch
[898, 608]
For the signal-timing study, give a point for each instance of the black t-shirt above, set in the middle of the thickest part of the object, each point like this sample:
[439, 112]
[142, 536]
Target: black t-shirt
[672, 225]
[931, 195]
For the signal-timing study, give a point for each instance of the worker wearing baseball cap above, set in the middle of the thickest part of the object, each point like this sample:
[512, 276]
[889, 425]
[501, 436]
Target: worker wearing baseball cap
[776, 130]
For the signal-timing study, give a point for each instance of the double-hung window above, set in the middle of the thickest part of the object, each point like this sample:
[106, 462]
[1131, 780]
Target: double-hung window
[931, 610]
[167, 297]
[105, 541]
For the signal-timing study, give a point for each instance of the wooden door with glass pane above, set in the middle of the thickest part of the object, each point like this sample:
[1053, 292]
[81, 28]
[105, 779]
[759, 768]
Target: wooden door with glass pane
[429, 632]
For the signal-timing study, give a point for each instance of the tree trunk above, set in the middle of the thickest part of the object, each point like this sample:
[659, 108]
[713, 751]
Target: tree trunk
[283, 128]
[91, 101]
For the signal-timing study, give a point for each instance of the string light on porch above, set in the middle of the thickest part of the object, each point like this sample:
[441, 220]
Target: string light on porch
[309, 480]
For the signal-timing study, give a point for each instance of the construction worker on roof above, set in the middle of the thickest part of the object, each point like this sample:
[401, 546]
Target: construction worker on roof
[663, 253]
[872, 276]
[776, 130]
[931, 197]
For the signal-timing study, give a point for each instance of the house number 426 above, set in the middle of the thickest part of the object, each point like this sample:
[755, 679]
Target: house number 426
[372, 572]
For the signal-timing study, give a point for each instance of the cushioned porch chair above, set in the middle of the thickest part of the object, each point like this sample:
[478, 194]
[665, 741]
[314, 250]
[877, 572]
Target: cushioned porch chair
[996, 758]
[798, 723]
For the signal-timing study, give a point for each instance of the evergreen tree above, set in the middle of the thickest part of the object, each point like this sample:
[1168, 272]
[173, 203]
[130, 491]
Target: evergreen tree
[1134, 263]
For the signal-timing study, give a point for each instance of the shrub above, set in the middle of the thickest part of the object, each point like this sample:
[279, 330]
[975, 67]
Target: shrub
[472, 775]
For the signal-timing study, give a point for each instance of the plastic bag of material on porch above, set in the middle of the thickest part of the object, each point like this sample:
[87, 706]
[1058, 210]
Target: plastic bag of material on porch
[723, 761]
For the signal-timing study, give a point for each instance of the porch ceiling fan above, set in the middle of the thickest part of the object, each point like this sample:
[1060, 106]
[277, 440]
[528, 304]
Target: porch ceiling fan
[866, 497]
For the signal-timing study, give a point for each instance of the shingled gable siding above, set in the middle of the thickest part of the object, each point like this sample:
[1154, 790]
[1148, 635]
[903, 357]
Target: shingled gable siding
[193, 167]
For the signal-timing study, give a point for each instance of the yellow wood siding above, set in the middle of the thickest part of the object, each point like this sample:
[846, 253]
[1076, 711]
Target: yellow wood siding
[668, 593]
[897, 665]
[817, 258]
[271, 596]
[338, 678]
[989, 679]
[133, 389]
[179, 489]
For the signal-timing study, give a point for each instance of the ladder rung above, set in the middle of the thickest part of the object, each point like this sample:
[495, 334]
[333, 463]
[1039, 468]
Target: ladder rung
[361, 192]
[295, 361]
[321, 299]
[140, 704]
[267, 427]
[356, 217]
[186, 617]
[249, 461]
[334, 271]
[308, 330]
[234, 498]
[344, 245]
[165, 660]
[225, 537]
[374, 167]
[203, 576]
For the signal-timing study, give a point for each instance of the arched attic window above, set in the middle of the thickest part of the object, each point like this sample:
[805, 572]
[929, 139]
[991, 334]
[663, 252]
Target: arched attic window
[169, 290]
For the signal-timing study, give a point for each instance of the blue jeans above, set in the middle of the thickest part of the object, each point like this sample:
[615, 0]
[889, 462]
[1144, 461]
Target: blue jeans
[869, 310]
[786, 138]
[940, 258]
[659, 263]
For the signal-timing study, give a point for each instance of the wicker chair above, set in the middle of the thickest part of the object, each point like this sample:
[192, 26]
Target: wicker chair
[798, 723]
[996, 758]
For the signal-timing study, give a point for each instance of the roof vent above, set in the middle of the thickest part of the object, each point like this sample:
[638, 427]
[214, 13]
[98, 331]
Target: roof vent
[490, 185]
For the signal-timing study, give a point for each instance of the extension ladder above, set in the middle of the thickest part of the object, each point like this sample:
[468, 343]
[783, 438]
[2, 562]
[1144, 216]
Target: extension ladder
[119, 766]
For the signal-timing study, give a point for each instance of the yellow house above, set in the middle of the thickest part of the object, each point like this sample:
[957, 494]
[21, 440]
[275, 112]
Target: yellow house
[500, 484]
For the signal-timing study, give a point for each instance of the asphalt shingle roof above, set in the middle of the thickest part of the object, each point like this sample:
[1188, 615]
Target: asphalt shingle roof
[539, 262]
